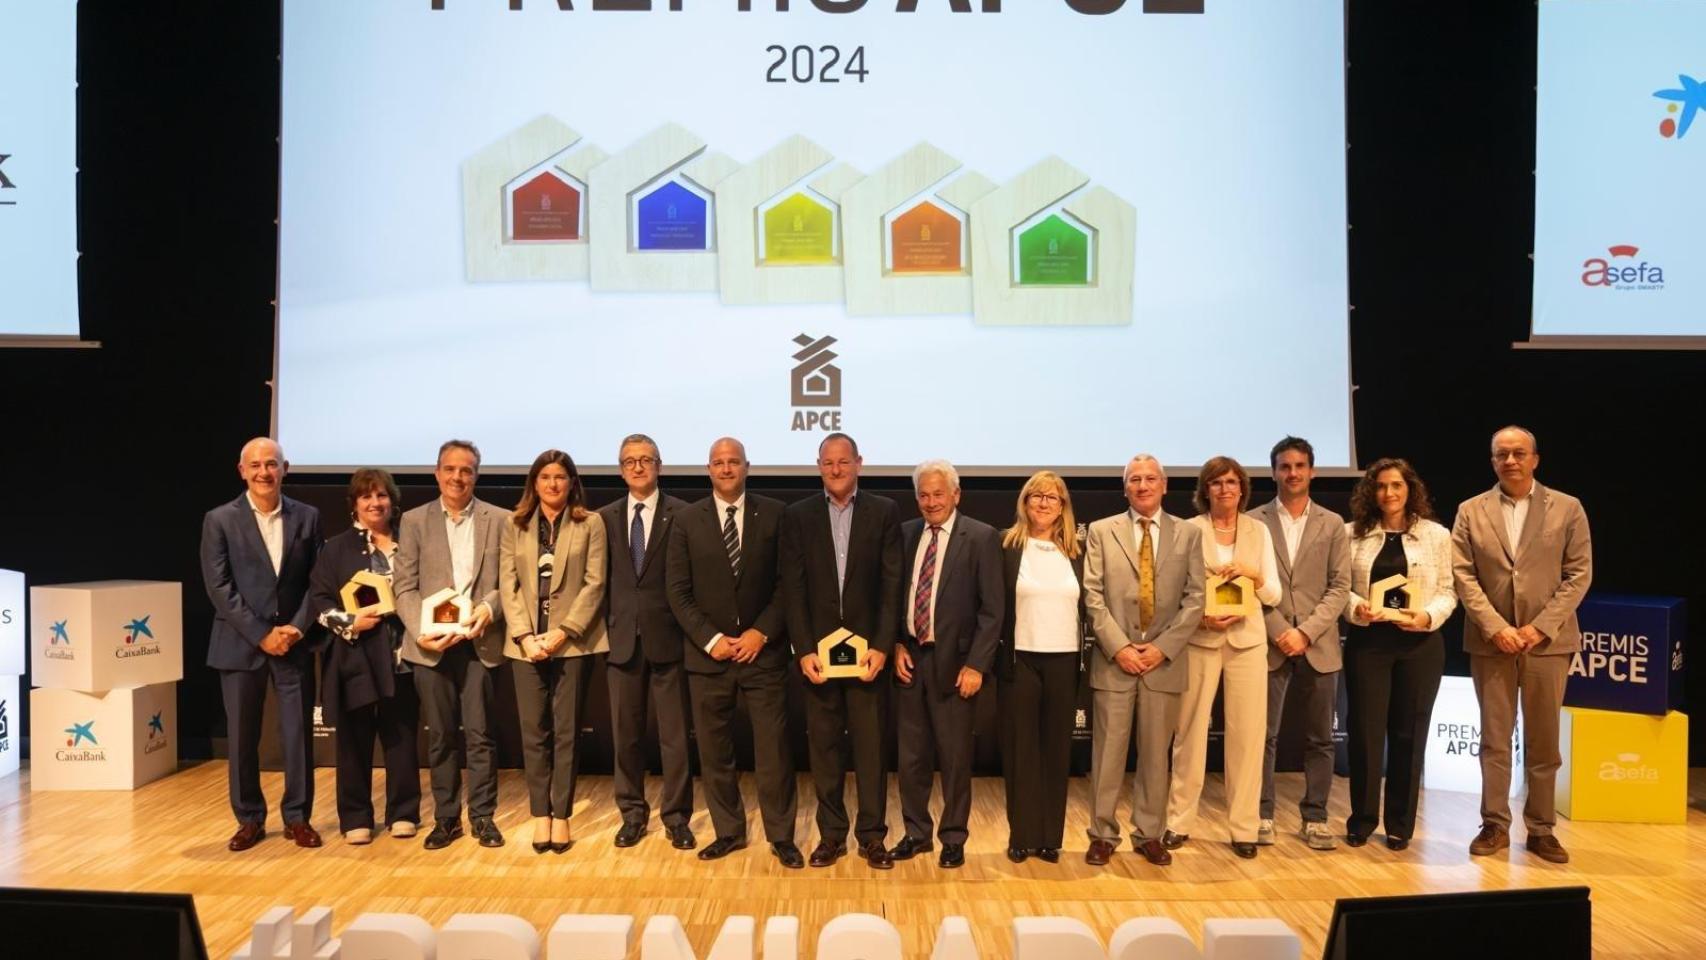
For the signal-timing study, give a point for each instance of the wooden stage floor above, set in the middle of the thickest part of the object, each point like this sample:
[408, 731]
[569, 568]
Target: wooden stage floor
[1649, 882]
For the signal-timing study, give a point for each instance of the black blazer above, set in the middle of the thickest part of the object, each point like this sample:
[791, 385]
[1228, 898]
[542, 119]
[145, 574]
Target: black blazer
[353, 675]
[639, 604]
[248, 598]
[1011, 558]
[703, 592]
[869, 601]
[970, 606]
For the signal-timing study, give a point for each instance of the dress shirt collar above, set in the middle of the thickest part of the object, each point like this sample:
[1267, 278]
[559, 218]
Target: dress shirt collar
[264, 513]
[455, 517]
[739, 503]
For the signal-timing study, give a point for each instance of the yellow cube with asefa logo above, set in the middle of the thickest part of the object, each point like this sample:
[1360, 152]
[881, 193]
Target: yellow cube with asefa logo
[1623, 767]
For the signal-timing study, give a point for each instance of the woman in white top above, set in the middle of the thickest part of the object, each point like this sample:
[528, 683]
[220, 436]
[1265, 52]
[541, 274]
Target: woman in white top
[1039, 664]
[1394, 654]
[1233, 645]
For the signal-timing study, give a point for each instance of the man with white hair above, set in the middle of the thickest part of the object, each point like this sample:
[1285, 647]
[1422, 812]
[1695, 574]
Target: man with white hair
[256, 554]
[949, 632]
[1143, 588]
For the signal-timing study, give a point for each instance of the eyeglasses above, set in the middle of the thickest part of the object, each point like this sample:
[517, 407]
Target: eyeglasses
[635, 463]
[1045, 498]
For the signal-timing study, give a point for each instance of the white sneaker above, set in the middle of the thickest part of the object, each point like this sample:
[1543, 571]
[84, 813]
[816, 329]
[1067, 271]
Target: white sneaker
[1318, 836]
[403, 829]
[359, 836]
[1265, 834]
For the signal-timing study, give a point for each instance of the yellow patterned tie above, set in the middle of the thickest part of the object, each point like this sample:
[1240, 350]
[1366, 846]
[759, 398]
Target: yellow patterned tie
[1146, 576]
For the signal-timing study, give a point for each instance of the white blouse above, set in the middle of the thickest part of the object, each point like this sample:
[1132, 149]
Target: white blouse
[1045, 601]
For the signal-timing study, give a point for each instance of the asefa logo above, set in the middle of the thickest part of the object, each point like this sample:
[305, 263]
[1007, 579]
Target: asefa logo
[1688, 98]
[1628, 767]
[1629, 275]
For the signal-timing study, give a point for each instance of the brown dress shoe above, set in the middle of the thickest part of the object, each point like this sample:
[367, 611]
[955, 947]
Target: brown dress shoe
[1548, 848]
[1490, 840]
[877, 855]
[302, 834]
[827, 852]
[1155, 852]
[1100, 852]
[247, 835]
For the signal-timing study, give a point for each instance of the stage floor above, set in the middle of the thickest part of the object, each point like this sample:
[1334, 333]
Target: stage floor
[170, 836]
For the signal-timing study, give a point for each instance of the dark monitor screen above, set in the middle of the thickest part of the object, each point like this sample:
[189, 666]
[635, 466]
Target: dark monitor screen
[1555, 923]
[50, 924]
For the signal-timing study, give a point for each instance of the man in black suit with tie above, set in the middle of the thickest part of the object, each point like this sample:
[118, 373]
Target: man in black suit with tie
[723, 588]
[256, 554]
[949, 633]
[841, 568]
[645, 648]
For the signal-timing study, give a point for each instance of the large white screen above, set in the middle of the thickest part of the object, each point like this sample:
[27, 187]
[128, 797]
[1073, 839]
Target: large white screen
[1223, 130]
[1620, 146]
[38, 168]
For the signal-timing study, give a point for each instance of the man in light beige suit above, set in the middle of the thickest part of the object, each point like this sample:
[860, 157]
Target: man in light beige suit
[1522, 559]
[1143, 587]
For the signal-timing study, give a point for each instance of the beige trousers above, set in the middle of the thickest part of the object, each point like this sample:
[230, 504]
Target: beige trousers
[1246, 710]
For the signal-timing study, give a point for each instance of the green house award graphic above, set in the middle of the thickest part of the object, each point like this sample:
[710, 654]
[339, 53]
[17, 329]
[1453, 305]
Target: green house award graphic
[653, 214]
[780, 224]
[907, 235]
[524, 205]
[1047, 252]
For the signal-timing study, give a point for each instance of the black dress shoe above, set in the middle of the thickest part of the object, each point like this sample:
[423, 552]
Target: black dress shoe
[443, 832]
[953, 855]
[541, 846]
[1174, 841]
[248, 834]
[681, 837]
[1244, 849]
[721, 847]
[827, 852]
[1355, 839]
[486, 832]
[630, 833]
[1048, 854]
[1396, 843]
[1017, 854]
[877, 855]
[910, 847]
[1155, 852]
[562, 846]
[788, 854]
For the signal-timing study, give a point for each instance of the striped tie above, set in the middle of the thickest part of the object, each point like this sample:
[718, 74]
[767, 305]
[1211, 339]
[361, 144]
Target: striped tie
[926, 584]
[731, 541]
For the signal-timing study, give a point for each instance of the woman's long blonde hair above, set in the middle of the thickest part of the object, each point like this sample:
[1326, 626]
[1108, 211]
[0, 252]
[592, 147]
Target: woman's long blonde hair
[1065, 532]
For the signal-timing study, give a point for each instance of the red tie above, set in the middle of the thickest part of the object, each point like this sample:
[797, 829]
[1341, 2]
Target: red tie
[926, 581]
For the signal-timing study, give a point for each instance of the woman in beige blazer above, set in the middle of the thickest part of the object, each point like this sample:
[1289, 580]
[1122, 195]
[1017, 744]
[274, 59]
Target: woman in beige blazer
[1232, 646]
[551, 575]
[1394, 654]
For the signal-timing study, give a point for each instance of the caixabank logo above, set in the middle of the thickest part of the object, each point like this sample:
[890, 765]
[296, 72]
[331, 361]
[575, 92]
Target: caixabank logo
[139, 640]
[1682, 102]
[81, 746]
[59, 642]
[156, 739]
[1623, 269]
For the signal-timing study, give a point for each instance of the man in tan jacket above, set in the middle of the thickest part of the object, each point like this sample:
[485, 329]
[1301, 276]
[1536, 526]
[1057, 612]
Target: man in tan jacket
[1522, 559]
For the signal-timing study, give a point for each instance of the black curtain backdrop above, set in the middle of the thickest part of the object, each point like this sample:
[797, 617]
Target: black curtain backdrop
[112, 455]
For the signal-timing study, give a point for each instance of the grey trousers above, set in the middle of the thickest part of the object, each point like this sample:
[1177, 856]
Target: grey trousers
[1111, 736]
[1320, 693]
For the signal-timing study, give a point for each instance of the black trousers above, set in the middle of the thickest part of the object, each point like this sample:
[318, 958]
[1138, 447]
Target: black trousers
[935, 730]
[245, 695]
[1320, 693]
[1392, 678]
[714, 702]
[394, 722]
[456, 701]
[834, 710]
[631, 685]
[1037, 708]
[550, 696]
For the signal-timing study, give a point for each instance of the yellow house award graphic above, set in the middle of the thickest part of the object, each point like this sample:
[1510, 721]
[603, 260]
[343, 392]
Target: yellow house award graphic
[524, 205]
[1047, 252]
[908, 242]
[779, 235]
[654, 212]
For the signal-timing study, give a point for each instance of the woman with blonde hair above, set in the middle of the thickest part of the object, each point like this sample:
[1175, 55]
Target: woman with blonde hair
[1039, 664]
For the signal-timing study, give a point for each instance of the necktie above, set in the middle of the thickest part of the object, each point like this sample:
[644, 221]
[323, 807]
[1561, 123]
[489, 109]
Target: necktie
[1146, 576]
[637, 538]
[926, 583]
[731, 541]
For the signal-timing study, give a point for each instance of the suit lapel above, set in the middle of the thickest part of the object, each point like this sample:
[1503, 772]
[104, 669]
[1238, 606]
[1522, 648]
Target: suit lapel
[560, 555]
[527, 558]
[619, 541]
[251, 532]
[1270, 512]
[1532, 523]
[1126, 538]
[1490, 509]
[660, 533]
[1164, 539]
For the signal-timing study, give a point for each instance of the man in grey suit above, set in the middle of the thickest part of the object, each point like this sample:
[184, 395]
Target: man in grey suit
[1143, 587]
[1304, 651]
[1522, 559]
[645, 648]
[452, 542]
[256, 554]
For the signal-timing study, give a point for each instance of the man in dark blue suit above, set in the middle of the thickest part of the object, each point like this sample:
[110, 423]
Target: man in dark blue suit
[256, 554]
